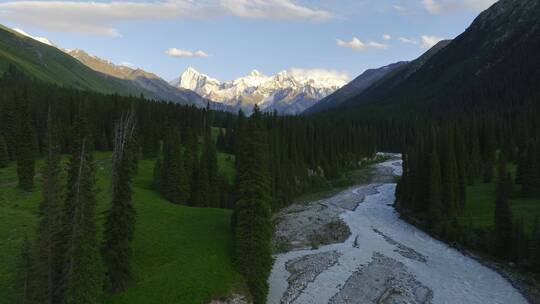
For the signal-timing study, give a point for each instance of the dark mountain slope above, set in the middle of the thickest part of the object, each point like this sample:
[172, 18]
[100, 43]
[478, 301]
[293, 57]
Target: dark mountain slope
[355, 87]
[495, 62]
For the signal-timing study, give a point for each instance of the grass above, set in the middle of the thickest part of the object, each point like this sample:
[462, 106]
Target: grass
[181, 254]
[480, 206]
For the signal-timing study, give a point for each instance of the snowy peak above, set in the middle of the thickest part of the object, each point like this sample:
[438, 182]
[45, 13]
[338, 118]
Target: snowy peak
[288, 92]
[191, 79]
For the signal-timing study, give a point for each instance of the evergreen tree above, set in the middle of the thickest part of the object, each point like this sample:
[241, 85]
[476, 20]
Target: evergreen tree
[534, 255]
[25, 147]
[201, 197]
[530, 174]
[503, 214]
[191, 163]
[83, 268]
[253, 229]
[24, 273]
[4, 153]
[210, 157]
[435, 192]
[157, 175]
[46, 261]
[120, 218]
[174, 182]
[450, 183]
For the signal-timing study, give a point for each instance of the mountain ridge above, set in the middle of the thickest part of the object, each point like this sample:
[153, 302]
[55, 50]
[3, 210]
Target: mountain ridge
[356, 86]
[287, 92]
[146, 80]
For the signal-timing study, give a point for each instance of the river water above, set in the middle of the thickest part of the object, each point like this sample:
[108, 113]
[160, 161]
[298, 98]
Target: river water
[386, 260]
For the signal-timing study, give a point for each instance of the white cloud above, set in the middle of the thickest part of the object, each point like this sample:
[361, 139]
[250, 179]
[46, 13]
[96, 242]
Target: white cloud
[358, 45]
[408, 40]
[401, 10]
[40, 39]
[185, 53]
[100, 18]
[279, 9]
[449, 6]
[430, 41]
[318, 74]
[318, 77]
[387, 37]
[432, 6]
[479, 5]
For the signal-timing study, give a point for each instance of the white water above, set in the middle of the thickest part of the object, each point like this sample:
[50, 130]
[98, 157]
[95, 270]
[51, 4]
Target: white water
[452, 276]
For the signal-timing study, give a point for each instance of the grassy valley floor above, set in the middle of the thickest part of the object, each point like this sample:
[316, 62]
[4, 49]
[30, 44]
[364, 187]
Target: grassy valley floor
[181, 254]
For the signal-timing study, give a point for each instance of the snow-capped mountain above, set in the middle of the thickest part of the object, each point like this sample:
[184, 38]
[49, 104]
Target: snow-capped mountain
[288, 92]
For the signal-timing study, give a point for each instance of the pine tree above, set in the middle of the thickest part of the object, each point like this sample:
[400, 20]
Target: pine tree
[210, 158]
[435, 192]
[174, 182]
[530, 174]
[157, 175]
[120, 218]
[46, 261]
[25, 147]
[450, 183]
[83, 270]
[253, 228]
[4, 154]
[201, 197]
[191, 164]
[534, 254]
[24, 272]
[503, 214]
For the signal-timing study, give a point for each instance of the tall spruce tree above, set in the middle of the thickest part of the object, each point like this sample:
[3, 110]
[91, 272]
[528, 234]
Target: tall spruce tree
[534, 254]
[157, 175]
[503, 214]
[253, 228]
[450, 182]
[435, 192]
[25, 146]
[120, 218]
[174, 182]
[4, 153]
[201, 193]
[46, 256]
[530, 174]
[83, 270]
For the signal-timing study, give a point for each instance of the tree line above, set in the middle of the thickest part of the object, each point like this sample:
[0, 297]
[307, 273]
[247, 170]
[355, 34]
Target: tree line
[450, 155]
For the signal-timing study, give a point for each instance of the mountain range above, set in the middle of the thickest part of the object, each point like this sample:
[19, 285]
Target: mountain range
[288, 92]
[499, 47]
[143, 79]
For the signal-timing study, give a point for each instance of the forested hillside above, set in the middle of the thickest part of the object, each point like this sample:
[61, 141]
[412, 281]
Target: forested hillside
[277, 158]
[49, 64]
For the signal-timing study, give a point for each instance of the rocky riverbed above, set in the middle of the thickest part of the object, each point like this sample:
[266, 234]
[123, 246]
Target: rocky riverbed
[353, 248]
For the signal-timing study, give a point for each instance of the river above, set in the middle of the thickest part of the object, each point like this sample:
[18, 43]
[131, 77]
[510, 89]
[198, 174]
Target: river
[384, 260]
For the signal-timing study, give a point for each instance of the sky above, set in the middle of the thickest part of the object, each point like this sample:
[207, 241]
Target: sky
[227, 39]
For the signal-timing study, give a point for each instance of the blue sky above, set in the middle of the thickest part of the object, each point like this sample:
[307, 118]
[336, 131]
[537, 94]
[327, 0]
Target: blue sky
[229, 38]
